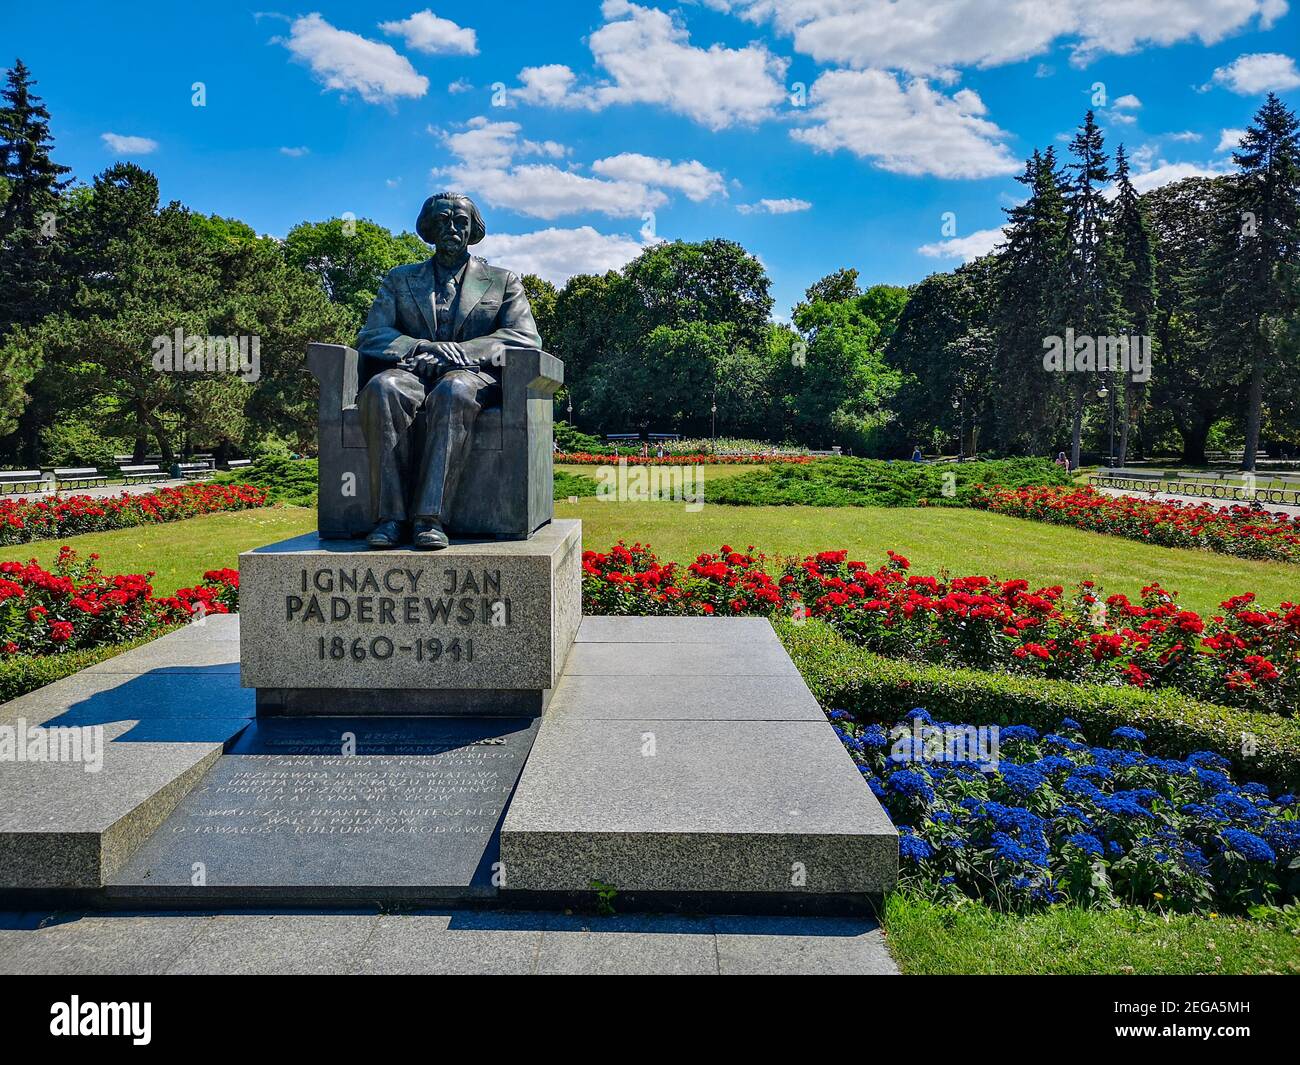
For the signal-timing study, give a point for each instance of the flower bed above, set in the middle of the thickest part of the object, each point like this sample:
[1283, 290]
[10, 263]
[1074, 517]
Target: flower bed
[1052, 819]
[23, 520]
[1247, 656]
[1231, 530]
[75, 605]
[586, 458]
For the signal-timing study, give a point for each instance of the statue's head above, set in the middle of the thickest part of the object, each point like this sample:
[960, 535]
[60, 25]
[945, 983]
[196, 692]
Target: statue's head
[450, 222]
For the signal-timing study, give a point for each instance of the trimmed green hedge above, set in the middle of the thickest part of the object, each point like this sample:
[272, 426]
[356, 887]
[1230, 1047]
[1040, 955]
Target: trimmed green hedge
[879, 689]
[289, 481]
[20, 674]
[847, 482]
[573, 484]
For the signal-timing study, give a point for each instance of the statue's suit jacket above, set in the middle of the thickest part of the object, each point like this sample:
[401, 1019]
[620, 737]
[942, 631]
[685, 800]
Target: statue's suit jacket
[491, 316]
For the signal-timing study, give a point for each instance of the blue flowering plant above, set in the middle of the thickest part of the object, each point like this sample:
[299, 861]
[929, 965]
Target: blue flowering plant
[1040, 818]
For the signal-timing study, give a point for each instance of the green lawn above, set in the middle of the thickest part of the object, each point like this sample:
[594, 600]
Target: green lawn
[178, 552]
[928, 939]
[964, 541]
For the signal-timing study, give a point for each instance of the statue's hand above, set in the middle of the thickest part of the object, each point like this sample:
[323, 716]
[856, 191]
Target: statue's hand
[425, 365]
[450, 355]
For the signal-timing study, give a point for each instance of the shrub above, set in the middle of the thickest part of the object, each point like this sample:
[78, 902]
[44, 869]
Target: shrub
[570, 439]
[583, 458]
[1035, 819]
[846, 482]
[290, 482]
[1231, 530]
[24, 520]
[1260, 746]
[573, 484]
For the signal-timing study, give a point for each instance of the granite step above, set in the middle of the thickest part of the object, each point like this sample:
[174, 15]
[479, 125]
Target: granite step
[684, 760]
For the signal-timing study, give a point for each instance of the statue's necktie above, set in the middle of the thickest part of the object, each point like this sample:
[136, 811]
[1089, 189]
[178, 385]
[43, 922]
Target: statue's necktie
[446, 302]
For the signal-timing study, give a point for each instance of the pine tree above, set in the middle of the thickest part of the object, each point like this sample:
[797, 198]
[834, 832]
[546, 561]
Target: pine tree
[1091, 299]
[31, 282]
[32, 178]
[1258, 240]
[1134, 258]
[1030, 282]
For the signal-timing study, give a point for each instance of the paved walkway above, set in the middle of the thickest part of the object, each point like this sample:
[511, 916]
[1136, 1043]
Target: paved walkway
[445, 942]
[1275, 508]
[105, 490]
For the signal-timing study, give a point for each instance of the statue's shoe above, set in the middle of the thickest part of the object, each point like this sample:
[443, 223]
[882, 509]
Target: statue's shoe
[386, 535]
[429, 535]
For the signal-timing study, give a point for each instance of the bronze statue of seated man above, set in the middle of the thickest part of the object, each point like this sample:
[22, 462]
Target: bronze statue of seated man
[439, 331]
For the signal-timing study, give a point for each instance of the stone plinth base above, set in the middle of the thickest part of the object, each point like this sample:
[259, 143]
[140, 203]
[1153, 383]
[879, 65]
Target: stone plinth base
[328, 627]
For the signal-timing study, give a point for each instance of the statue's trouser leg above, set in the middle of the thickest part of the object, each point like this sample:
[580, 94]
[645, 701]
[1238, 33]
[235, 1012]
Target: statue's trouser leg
[389, 405]
[449, 412]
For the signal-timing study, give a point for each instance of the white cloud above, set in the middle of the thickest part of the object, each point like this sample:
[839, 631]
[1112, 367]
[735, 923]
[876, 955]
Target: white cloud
[459, 85]
[125, 145]
[785, 206]
[647, 58]
[487, 153]
[695, 180]
[1128, 102]
[1166, 173]
[347, 62]
[1249, 75]
[1186, 136]
[907, 130]
[966, 248]
[426, 32]
[1230, 140]
[558, 254]
[296, 153]
[924, 37]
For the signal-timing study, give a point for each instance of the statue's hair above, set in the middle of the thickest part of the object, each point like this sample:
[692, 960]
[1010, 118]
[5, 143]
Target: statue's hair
[424, 224]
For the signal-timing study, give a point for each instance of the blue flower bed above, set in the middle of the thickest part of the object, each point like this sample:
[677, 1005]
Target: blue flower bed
[1054, 819]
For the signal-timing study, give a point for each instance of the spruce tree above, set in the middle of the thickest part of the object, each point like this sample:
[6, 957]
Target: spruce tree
[1133, 257]
[1258, 242]
[1091, 298]
[1031, 275]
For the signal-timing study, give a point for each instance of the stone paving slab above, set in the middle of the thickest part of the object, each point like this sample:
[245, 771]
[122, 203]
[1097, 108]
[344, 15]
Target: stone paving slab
[165, 718]
[467, 942]
[729, 698]
[717, 658]
[693, 768]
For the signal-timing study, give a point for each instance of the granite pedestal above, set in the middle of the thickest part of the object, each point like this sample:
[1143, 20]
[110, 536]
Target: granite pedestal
[481, 628]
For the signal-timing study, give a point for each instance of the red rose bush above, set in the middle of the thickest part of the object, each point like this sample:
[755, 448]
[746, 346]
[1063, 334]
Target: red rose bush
[1247, 656]
[23, 519]
[74, 605]
[1231, 530]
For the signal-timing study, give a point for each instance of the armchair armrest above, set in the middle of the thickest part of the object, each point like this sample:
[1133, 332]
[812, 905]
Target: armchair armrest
[531, 371]
[336, 367]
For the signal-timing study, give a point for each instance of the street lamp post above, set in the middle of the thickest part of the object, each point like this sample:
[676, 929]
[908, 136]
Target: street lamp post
[713, 411]
[1102, 393]
[959, 405]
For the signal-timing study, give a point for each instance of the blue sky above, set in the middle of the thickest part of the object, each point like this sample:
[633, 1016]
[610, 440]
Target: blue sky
[584, 129]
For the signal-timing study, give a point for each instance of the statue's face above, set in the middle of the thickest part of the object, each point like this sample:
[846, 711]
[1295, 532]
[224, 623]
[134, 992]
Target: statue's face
[451, 224]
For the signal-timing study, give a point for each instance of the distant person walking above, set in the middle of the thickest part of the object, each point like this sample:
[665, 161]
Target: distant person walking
[1063, 461]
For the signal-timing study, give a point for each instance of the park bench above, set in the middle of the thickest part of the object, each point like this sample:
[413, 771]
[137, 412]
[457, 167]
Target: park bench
[238, 464]
[20, 480]
[136, 474]
[1128, 480]
[78, 476]
[191, 471]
